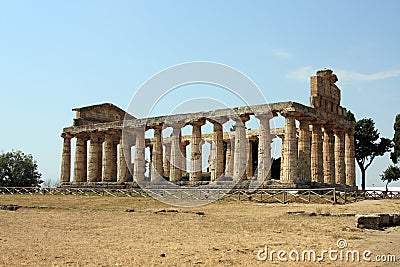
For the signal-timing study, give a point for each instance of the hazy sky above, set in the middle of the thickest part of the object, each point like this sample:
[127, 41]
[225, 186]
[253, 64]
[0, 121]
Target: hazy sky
[57, 55]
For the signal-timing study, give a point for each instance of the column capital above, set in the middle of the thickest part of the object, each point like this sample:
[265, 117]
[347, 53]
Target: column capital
[242, 118]
[218, 120]
[338, 131]
[66, 136]
[84, 136]
[304, 125]
[266, 116]
[157, 127]
[199, 122]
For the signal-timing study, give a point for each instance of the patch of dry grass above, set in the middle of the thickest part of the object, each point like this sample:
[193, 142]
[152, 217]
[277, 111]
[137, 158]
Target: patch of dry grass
[96, 231]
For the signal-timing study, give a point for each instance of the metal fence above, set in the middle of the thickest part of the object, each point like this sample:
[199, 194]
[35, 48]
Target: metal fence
[284, 196]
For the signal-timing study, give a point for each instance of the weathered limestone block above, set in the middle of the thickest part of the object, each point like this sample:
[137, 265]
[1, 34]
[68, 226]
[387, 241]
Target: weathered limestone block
[95, 151]
[109, 160]
[368, 221]
[183, 156]
[66, 159]
[167, 158]
[317, 171]
[350, 157]
[304, 146]
[157, 155]
[217, 154]
[384, 220]
[230, 156]
[140, 162]
[241, 148]
[80, 163]
[176, 158]
[282, 156]
[395, 219]
[249, 167]
[264, 149]
[340, 166]
[290, 173]
[329, 157]
[124, 159]
[196, 151]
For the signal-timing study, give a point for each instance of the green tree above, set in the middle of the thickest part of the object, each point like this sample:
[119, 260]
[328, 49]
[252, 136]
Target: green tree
[395, 155]
[368, 145]
[19, 170]
[391, 174]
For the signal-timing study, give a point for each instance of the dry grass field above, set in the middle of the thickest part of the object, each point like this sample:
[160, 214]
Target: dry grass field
[98, 231]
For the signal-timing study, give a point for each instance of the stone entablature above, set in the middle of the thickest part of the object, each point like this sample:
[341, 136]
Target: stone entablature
[320, 149]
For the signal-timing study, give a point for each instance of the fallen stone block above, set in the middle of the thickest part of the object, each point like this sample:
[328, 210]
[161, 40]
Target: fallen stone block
[384, 220]
[9, 207]
[395, 219]
[368, 221]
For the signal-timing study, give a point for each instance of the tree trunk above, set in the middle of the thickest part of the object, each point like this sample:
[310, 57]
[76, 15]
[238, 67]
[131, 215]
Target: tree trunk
[362, 178]
[387, 183]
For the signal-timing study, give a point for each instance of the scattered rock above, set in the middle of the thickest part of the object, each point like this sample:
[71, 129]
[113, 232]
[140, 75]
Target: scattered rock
[163, 255]
[370, 221]
[130, 210]
[377, 221]
[158, 211]
[164, 210]
[295, 212]
[9, 207]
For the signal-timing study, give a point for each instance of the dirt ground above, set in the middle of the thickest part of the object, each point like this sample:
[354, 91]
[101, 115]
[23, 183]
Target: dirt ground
[98, 231]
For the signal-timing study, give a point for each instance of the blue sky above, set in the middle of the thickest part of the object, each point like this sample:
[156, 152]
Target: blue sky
[57, 55]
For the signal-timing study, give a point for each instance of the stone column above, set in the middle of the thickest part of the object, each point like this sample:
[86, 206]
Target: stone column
[176, 157]
[264, 149]
[350, 156]
[124, 159]
[230, 156]
[66, 159]
[95, 150]
[196, 151]
[282, 155]
[329, 159]
[249, 167]
[217, 155]
[340, 165]
[291, 152]
[241, 148]
[157, 155]
[140, 161]
[167, 158]
[304, 146]
[80, 163]
[184, 144]
[317, 169]
[109, 161]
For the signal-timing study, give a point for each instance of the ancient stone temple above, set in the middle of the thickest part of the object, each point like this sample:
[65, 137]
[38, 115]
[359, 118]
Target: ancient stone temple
[317, 144]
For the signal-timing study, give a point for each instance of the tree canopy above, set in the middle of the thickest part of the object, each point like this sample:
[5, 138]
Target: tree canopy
[391, 174]
[18, 170]
[395, 155]
[368, 145]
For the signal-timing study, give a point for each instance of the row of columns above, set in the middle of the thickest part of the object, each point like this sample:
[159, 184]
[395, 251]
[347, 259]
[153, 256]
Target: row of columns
[104, 163]
[326, 156]
[321, 156]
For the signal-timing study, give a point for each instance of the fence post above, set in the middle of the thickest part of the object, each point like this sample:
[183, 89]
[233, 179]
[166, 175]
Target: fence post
[334, 196]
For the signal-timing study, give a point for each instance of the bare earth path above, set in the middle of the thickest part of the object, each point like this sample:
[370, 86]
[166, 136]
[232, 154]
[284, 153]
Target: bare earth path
[97, 231]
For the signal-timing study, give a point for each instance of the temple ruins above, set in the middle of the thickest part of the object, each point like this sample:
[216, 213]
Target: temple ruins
[317, 145]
